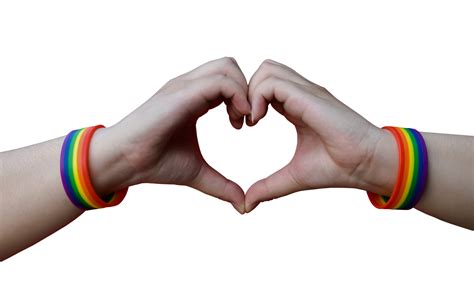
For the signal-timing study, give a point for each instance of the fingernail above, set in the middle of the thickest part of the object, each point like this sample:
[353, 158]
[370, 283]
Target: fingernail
[242, 209]
[239, 208]
[251, 207]
[248, 208]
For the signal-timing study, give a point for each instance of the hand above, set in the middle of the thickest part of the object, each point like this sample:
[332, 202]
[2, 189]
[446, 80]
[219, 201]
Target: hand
[158, 142]
[336, 147]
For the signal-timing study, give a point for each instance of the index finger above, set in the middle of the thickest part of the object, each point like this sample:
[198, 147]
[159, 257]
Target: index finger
[226, 66]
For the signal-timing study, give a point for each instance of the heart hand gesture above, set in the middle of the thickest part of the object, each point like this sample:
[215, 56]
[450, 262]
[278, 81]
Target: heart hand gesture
[158, 141]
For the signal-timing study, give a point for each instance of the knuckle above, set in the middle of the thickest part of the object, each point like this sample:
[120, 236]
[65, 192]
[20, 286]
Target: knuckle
[174, 82]
[170, 82]
[269, 61]
[267, 67]
[227, 61]
[324, 92]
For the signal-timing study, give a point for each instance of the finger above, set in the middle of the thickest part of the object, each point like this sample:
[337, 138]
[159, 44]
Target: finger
[259, 106]
[235, 118]
[227, 66]
[279, 184]
[293, 99]
[261, 96]
[214, 87]
[288, 71]
[211, 182]
[270, 68]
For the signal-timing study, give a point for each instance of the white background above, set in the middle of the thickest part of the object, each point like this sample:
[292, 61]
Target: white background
[407, 63]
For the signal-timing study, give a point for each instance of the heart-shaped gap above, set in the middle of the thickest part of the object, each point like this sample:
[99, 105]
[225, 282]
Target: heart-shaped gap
[247, 155]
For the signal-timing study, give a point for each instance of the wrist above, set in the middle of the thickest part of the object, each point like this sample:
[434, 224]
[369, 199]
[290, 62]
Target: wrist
[379, 171]
[109, 170]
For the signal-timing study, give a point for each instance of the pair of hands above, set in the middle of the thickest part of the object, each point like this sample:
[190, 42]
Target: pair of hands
[336, 147]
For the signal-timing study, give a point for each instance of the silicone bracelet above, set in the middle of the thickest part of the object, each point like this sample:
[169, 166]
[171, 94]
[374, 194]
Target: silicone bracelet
[75, 176]
[412, 171]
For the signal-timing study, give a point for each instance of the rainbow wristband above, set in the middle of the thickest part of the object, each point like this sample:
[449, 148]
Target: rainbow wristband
[412, 171]
[75, 172]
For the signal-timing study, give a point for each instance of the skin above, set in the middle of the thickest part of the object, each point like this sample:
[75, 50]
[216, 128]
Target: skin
[337, 147]
[157, 143]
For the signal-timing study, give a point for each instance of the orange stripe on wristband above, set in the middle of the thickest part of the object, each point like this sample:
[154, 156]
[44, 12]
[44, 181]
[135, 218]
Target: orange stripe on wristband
[75, 174]
[412, 171]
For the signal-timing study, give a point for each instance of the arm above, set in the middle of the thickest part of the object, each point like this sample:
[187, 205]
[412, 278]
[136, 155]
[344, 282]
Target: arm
[449, 193]
[33, 203]
[339, 148]
[156, 143]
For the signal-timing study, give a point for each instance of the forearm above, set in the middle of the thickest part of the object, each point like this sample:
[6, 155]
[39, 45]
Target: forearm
[33, 202]
[449, 193]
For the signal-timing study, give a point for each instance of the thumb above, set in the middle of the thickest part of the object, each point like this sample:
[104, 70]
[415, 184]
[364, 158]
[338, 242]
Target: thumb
[279, 184]
[211, 182]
